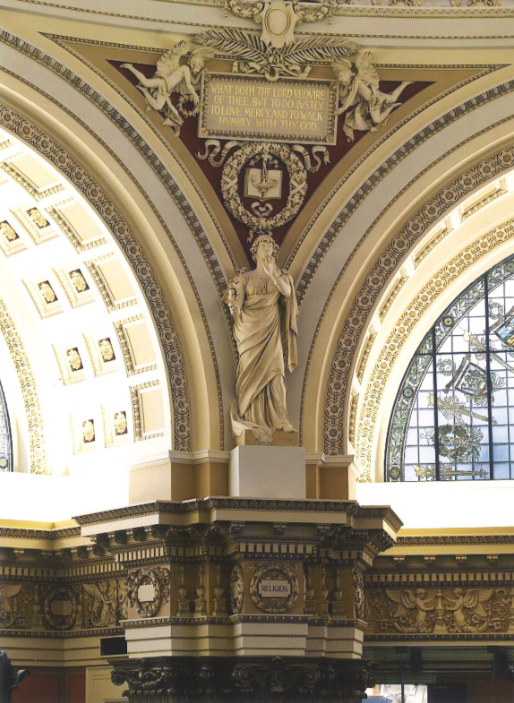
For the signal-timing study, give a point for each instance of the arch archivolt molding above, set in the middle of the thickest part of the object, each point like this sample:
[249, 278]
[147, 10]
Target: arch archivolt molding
[319, 249]
[48, 148]
[370, 408]
[340, 407]
[28, 391]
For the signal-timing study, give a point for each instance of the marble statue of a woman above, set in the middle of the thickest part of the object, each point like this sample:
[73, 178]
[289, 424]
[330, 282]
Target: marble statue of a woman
[263, 305]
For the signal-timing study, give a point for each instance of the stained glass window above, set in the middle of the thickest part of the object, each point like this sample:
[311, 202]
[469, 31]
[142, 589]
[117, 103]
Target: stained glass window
[453, 418]
[5, 436]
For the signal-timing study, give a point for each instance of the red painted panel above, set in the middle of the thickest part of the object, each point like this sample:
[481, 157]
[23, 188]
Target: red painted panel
[77, 688]
[39, 688]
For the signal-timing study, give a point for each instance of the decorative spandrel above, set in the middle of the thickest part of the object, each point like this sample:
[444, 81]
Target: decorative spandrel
[5, 436]
[453, 418]
[248, 105]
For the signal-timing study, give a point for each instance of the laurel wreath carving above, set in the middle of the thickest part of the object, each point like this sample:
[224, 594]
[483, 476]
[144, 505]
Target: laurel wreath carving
[297, 185]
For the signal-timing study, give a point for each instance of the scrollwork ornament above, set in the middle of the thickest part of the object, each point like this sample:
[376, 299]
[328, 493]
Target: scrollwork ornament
[102, 603]
[10, 596]
[274, 588]
[236, 589]
[359, 595]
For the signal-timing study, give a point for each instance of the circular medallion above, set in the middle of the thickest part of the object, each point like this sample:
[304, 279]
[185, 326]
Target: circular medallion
[146, 593]
[274, 589]
[297, 185]
[60, 608]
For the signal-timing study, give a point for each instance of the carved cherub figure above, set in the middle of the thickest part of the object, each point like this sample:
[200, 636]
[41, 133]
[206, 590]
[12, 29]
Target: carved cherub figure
[472, 600]
[408, 600]
[172, 76]
[359, 94]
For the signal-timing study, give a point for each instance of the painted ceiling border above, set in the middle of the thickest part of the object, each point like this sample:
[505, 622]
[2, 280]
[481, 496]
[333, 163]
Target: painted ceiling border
[392, 11]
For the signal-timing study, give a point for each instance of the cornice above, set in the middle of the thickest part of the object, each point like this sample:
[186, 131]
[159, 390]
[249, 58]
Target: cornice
[323, 507]
[353, 8]
[453, 638]
[29, 533]
[140, 510]
[56, 635]
[453, 540]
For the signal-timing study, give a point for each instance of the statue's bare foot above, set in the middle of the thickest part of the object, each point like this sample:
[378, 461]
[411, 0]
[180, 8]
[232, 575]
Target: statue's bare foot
[126, 65]
[288, 427]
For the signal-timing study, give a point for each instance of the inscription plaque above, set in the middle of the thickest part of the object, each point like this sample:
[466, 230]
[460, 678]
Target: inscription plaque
[274, 589]
[250, 108]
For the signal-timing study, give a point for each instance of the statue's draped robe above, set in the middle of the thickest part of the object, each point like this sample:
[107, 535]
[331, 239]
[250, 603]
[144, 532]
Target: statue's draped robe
[265, 332]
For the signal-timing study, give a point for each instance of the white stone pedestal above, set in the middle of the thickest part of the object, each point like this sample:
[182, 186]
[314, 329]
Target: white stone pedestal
[267, 472]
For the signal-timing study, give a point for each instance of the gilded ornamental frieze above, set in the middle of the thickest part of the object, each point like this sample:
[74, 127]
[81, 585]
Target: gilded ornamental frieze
[207, 564]
[427, 611]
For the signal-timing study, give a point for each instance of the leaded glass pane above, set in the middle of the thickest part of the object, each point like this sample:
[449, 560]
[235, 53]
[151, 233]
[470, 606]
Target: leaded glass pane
[453, 418]
[5, 436]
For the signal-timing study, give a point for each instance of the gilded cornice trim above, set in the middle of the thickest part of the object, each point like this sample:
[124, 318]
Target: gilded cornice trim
[53, 152]
[135, 511]
[29, 533]
[386, 266]
[56, 635]
[357, 10]
[453, 540]
[454, 638]
[404, 326]
[28, 391]
[349, 507]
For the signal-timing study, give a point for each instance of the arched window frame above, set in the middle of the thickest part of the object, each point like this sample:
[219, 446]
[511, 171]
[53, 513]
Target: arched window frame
[6, 451]
[450, 434]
